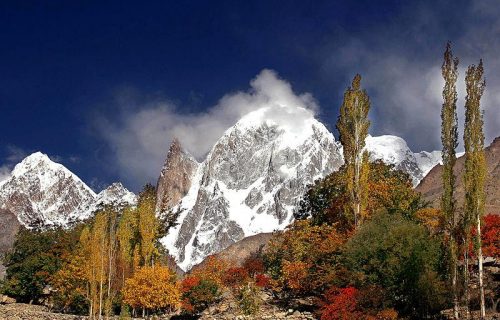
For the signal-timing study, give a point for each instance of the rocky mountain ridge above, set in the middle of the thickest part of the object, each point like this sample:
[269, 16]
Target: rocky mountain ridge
[254, 177]
[41, 192]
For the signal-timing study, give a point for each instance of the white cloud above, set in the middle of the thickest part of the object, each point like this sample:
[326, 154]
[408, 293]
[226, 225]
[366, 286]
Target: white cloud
[400, 62]
[139, 137]
[4, 173]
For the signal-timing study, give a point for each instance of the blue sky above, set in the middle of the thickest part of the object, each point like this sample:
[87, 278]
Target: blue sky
[79, 79]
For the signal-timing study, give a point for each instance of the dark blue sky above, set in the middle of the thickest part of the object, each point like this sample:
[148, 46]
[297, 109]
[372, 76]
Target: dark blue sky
[65, 65]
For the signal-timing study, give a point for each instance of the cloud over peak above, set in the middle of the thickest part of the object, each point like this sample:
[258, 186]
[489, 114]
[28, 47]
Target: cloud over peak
[139, 136]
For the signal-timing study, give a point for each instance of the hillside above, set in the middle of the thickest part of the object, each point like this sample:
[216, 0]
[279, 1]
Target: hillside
[431, 189]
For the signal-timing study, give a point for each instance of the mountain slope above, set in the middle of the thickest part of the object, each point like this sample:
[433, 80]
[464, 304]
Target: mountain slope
[431, 188]
[42, 193]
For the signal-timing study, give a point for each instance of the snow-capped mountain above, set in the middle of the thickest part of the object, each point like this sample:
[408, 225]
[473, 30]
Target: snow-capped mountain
[41, 192]
[115, 195]
[394, 150]
[254, 176]
[250, 182]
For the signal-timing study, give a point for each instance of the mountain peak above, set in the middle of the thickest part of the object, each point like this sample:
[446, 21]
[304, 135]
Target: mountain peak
[175, 176]
[42, 192]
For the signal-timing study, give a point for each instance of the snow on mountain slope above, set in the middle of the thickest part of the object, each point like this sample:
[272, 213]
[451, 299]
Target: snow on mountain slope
[251, 181]
[428, 160]
[115, 195]
[41, 192]
[394, 150]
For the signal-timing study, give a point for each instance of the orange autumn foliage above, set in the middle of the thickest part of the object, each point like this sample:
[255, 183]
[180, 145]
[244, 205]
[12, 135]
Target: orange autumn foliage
[432, 219]
[235, 277]
[490, 236]
[340, 304]
[152, 288]
[213, 269]
[254, 265]
[304, 258]
[295, 275]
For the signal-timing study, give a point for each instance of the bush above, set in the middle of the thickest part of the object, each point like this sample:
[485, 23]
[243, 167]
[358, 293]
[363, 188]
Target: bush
[198, 294]
[248, 299]
[261, 280]
[235, 277]
[254, 264]
[152, 288]
[327, 201]
[340, 304]
[36, 256]
[304, 259]
[400, 256]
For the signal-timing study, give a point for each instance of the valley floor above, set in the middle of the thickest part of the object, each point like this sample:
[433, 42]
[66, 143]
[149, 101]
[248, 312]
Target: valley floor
[21, 311]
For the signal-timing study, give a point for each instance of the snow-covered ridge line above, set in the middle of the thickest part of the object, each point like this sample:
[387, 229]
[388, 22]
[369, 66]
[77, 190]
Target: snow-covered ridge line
[41, 192]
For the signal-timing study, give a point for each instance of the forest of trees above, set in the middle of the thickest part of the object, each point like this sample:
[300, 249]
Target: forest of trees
[364, 244]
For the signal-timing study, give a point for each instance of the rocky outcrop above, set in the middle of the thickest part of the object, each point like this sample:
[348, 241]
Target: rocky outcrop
[431, 185]
[175, 177]
[8, 230]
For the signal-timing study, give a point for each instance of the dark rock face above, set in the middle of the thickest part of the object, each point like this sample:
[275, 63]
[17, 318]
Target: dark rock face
[9, 225]
[175, 177]
[432, 190]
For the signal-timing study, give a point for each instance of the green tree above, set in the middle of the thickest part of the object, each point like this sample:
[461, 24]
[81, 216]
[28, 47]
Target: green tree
[390, 189]
[36, 255]
[353, 127]
[449, 139]
[475, 164]
[400, 256]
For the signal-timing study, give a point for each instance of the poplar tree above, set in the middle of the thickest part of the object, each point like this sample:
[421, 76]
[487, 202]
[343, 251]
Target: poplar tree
[148, 224]
[449, 140]
[353, 127]
[475, 165]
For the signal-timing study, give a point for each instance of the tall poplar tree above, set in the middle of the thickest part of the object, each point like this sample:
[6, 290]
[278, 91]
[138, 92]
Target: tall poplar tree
[475, 164]
[353, 127]
[449, 139]
[147, 224]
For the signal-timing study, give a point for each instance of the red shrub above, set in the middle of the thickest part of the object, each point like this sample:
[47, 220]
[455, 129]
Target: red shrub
[235, 277]
[188, 283]
[491, 235]
[340, 304]
[261, 280]
[254, 265]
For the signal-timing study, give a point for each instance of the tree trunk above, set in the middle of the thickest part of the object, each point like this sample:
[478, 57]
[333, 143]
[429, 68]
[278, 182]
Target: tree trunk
[480, 264]
[454, 282]
[466, 280]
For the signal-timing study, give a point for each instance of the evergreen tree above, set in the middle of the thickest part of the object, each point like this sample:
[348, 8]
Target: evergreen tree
[449, 139]
[353, 127]
[475, 164]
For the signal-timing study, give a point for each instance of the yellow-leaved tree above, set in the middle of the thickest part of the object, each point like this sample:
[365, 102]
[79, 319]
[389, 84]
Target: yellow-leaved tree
[152, 289]
[353, 127]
